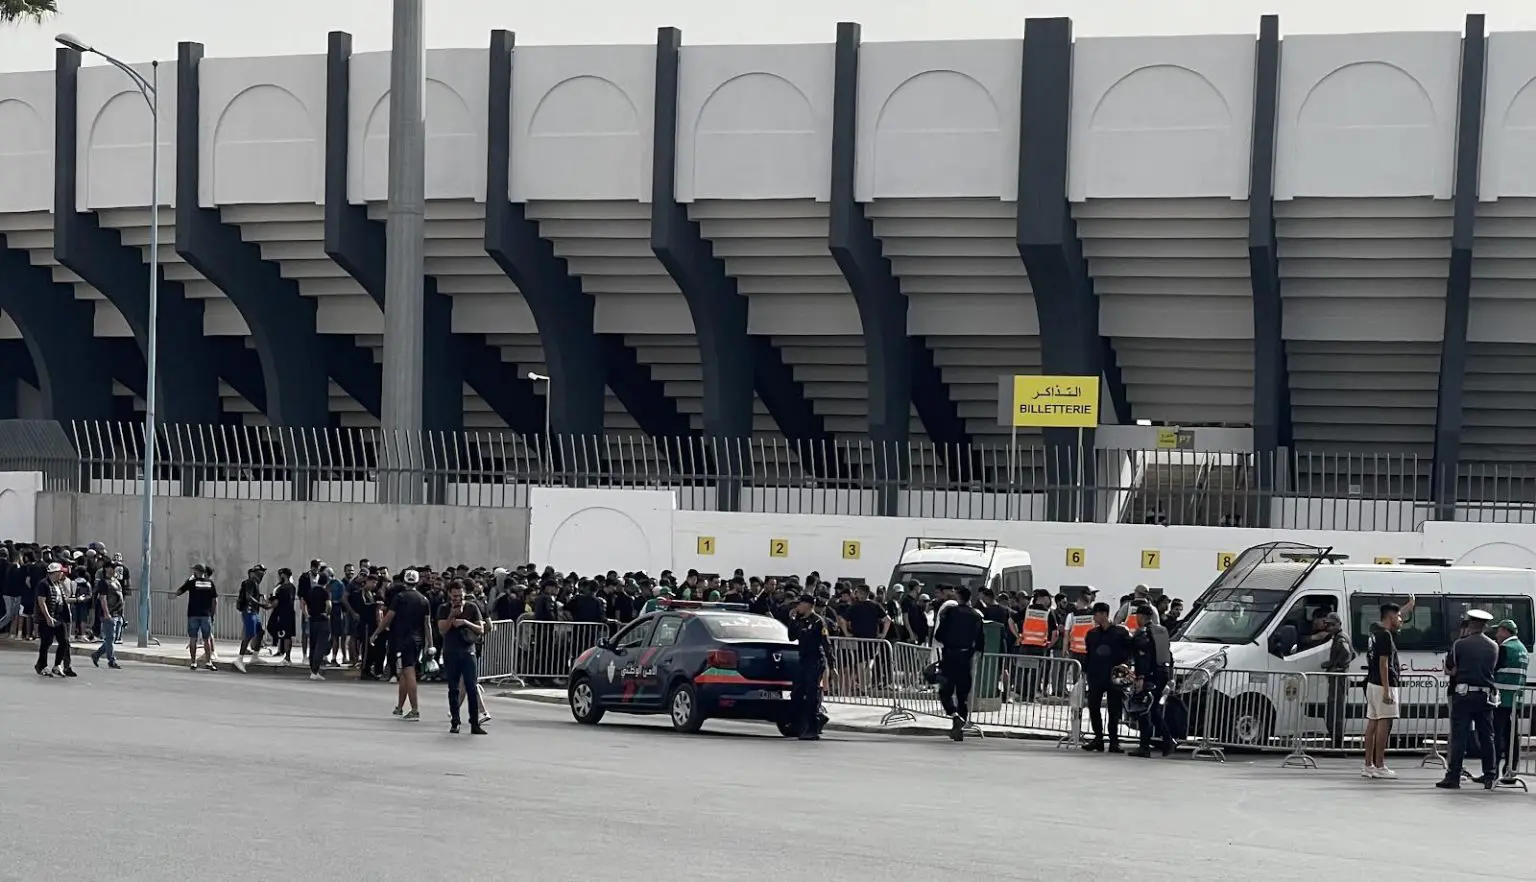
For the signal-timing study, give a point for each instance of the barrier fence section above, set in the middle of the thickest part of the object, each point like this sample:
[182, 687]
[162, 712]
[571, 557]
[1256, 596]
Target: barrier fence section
[1515, 729]
[1036, 695]
[539, 654]
[980, 480]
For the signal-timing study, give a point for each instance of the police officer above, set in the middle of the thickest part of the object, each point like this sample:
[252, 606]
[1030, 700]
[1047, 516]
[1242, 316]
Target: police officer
[810, 631]
[1152, 656]
[1471, 664]
[959, 635]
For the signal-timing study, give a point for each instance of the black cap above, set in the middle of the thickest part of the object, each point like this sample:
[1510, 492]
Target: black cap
[806, 598]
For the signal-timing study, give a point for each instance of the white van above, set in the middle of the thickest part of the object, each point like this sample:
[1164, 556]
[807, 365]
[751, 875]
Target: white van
[971, 563]
[1283, 584]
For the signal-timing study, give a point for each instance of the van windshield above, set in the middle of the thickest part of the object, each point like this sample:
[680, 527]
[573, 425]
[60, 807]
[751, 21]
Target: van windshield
[1232, 615]
[932, 575]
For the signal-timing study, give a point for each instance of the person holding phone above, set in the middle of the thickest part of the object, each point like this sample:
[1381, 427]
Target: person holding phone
[461, 622]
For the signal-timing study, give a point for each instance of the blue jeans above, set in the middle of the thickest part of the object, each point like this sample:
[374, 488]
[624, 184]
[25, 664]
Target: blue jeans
[459, 666]
[110, 628]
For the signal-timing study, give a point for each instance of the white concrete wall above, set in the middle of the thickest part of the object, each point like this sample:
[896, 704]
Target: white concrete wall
[233, 535]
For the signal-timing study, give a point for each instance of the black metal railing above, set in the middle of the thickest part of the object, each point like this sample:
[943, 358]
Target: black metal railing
[992, 480]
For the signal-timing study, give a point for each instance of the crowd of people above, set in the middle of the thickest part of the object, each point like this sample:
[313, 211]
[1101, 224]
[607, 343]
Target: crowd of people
[424, 623]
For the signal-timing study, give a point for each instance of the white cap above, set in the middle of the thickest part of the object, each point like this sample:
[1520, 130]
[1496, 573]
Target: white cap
[1478, 615]
[55, 567]
[499, 571]
[412, 577]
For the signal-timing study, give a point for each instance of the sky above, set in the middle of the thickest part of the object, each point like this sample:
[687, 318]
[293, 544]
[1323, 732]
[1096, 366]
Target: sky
[138, 30]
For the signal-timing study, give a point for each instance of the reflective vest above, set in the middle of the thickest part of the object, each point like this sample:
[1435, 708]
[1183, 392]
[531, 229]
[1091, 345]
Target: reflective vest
[1509, 679]
[1132, 623]
[1081, 624]
[1037, 628]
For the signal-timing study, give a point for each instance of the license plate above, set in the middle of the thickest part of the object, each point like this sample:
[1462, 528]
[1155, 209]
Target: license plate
[766, 694]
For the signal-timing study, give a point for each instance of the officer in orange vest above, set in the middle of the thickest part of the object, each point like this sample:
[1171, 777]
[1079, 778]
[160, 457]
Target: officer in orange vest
[1036, 634]
[1079, 622]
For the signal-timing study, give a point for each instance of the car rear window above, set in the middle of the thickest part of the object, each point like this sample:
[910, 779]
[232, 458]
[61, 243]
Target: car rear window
[745, 628]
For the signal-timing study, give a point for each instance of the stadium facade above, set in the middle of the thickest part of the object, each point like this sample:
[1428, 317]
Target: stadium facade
[1324, 249]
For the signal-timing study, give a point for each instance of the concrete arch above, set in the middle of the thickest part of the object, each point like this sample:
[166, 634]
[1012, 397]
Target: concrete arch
[269, 121]
[594, 95]
[915, 95]
[1392, 85]
[1188, 93]
[25, 133]
[755, 134]
[53, 325]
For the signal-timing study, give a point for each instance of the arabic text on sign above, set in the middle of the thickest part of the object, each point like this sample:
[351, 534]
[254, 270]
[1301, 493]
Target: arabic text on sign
[1055, 401]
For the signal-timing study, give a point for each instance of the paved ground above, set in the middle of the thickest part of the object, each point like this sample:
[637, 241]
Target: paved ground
[179, 775]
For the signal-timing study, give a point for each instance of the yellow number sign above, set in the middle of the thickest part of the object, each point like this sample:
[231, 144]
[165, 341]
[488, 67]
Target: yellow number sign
[1072, 402]
[778, 548]
[851, 549]
[1388, 561]
[706, 545]
[1151, 559]
[1076, 557]
[1224, 560]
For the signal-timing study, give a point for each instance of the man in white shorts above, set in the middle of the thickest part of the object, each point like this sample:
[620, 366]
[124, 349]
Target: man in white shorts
[1381, 689]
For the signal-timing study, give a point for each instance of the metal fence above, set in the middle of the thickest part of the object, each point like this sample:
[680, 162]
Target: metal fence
[1294, 489]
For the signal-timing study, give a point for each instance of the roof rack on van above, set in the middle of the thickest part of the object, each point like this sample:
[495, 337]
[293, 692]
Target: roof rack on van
[924, 543]
[1308, 556]
[1425, 561]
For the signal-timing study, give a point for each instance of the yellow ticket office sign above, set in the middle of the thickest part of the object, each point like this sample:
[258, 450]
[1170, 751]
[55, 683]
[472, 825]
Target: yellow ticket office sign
[1055, 402]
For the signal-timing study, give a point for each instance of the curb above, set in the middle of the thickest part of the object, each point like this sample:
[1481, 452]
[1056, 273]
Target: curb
[904, 731]
[180, 661]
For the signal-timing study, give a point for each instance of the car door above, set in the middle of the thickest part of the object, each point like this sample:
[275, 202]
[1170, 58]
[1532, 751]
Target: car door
[612, 669]
[656, 663]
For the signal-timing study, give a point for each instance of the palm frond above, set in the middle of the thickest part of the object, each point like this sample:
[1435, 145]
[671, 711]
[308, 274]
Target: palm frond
[33, 10]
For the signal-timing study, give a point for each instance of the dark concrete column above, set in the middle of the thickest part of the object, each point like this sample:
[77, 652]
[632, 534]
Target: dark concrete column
[356, 244]
[1271, 385]
[735, 363]
[188, 389]
[902, 372]
[581, 362]
[281, 322]
[1458, 286]
[1070, 343]
[58, 331]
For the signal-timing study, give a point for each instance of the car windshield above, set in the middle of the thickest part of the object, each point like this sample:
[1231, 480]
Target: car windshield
[745, 628]
[1233, 615]
[932, 575]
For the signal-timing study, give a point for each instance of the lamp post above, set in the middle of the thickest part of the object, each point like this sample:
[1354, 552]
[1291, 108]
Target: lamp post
[549, 389]
[150, 89]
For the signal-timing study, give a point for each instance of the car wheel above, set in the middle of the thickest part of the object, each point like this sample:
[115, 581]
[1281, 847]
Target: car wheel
[789, 728]
[583, 702]
[683, 708]
[1253, 720]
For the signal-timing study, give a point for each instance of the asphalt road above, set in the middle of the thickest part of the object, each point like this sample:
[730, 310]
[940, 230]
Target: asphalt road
[152, 773]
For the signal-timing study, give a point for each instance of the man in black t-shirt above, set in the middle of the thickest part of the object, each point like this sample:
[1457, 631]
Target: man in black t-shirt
[1382, 679]
[461, 622]
[202, 604]
[317, 611]
[109, 606]
[406, 621]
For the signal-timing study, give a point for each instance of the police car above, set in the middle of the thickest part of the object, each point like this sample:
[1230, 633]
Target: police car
[693, 662]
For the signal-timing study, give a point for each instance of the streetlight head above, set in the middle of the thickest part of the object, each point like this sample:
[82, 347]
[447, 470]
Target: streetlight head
[537, 377]
[71, 41]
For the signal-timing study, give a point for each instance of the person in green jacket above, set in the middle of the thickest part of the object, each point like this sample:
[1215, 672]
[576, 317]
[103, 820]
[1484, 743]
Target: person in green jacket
[1509, 677]
[655, 602]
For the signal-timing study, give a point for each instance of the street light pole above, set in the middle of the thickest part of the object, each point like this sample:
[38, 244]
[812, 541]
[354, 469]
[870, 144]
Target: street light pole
[549, 391]
[150, 89]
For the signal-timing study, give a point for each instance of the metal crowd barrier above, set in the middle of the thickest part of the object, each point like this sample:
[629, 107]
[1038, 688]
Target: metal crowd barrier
[1515, 728]
[1038, 695]
[534, 653]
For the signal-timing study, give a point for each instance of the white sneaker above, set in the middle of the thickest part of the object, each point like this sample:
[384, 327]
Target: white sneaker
[1384, 772]
[1368, 772]
[316, 677]
[240, 664]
